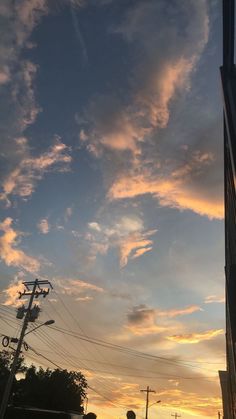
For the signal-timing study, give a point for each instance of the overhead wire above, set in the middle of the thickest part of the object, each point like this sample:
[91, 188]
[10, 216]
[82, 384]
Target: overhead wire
[88, 349]
[59, 367]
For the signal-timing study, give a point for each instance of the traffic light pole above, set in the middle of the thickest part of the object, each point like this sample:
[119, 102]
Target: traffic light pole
[8, 387]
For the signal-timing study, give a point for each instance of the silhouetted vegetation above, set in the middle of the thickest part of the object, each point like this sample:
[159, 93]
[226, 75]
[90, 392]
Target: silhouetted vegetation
[44, 388]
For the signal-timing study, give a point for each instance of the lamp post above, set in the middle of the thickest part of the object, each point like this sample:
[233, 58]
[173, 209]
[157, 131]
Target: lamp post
[15, 360]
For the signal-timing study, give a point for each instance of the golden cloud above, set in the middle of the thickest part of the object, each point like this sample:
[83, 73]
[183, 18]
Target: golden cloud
[134, 246]
[10, 254]
[170, 192]
[196, 337]
[12, 293]
[178, 312]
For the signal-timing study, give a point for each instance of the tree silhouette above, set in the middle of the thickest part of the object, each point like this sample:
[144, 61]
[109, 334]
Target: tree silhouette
[44, 388]
[56, 390]
[5, 364]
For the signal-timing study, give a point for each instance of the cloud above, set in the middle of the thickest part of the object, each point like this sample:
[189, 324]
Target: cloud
[21, 181]
[144, 320]
[12, 293]
[135, 245]
[17, 75]
[191, 338]
[187, 178]
[214, 299]
[76, 287]
[10, 254]
[178, 312]
[68, 213]
[177, 189]
[43, 226]
[127, 234]
[86, 298]
[114, 123]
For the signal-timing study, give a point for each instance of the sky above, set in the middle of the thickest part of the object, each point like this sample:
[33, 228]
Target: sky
[111, 172]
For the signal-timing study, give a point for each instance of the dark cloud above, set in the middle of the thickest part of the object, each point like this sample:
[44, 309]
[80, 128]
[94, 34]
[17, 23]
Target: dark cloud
[140, 314]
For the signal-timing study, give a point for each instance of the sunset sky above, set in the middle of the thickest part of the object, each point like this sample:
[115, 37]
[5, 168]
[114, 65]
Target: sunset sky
[111, 171]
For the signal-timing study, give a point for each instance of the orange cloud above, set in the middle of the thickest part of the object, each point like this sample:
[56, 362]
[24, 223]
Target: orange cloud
[10, 254]
[22, 180]
[170, 192]
[162, 89]
[178, 312]
[134, 246]
[12, 293]
[196, 337]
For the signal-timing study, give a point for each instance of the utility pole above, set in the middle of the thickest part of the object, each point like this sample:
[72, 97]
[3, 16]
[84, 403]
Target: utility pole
[148, 390]
[176, 416]
[29, 314]
[219, 415]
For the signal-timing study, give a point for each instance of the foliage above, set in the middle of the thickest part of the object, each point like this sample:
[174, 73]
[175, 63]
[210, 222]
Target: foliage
[5, 364]
[44, 388]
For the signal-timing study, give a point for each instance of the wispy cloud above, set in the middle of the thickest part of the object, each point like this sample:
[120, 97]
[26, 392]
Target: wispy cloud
[191, 338]
[68, 213]
[179, 311]
[214, 299]
[114, 124]
[21, 181]
[127, 234]
[10, 254]
[175, 190]
[76, 287]
[43, 226]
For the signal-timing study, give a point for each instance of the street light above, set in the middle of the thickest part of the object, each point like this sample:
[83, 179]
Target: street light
[47, 323]
[158, 401]
[19, 342]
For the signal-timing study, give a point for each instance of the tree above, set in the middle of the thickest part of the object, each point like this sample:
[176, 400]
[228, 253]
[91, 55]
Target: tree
[44, 388]
[52, 389]
[5, 365]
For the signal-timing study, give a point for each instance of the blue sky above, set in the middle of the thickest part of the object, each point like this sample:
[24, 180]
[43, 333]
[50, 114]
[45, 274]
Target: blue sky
[112, 189]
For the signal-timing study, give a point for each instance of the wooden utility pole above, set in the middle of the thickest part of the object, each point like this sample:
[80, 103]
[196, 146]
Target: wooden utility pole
[29, 314]
[176, 416]
[219, 415]
[148, 390]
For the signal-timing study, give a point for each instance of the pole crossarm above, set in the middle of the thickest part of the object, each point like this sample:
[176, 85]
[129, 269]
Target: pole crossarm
[147, 390]
[176, 415]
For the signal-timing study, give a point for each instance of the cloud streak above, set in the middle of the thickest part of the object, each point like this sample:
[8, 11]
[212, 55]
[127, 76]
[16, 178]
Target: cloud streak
[21, 181]
[176, 190]
[191, 338]
[10, 254]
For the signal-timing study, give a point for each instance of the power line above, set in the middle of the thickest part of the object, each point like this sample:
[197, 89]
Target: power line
[59, 367]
